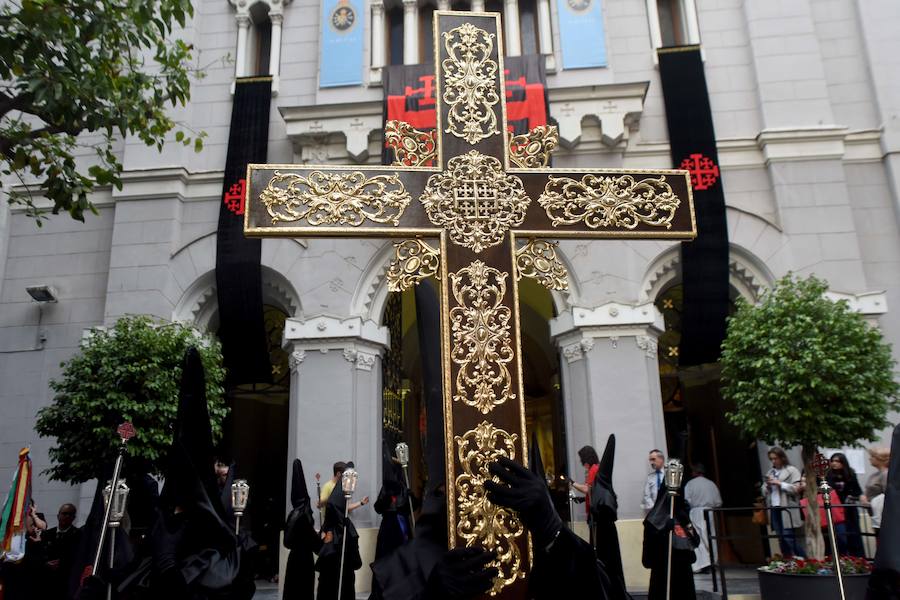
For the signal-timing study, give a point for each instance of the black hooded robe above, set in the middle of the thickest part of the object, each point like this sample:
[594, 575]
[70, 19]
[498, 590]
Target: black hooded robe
[329, 563]
[656, 549]
[884, 584]
[301, 539]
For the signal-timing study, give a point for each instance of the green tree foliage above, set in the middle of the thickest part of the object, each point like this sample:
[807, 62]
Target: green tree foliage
[131, 372]
[105, 68]
[805, 371]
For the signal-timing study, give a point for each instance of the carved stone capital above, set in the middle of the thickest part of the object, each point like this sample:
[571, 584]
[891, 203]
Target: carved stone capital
[576, 351]
[648, 344]
[364, 361]
[296, 359]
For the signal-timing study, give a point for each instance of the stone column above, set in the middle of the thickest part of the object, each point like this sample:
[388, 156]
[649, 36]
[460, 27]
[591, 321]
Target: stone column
[410, 32]
[275, 51]
[335, 400]
[511, 22]
[443, 4]
[610, 378]
[545, 32]
[240, 61]
[378, 46]
[477, 5]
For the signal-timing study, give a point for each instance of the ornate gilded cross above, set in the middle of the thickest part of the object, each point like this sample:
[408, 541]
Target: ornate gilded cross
[477, 207]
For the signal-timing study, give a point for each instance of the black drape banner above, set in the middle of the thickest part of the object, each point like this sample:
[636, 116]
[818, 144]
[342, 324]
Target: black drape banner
[704, 261]
[238, 275]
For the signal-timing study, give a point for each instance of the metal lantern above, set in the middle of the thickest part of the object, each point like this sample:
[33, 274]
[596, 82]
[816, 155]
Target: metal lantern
[674, 474]
[119, 501]
[348, 482]
[402, 451]
[240, 494]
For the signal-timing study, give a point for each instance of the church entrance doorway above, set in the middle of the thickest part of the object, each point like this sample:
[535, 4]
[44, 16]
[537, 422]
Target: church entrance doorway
[255, 436]
[698, 431]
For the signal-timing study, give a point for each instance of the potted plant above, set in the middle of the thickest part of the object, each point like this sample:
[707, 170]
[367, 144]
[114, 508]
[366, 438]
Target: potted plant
[813, 578]
[804, 370]
[130, 372]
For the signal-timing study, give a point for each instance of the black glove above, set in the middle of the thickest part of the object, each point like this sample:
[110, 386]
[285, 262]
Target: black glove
[461, 574]
[526, 493]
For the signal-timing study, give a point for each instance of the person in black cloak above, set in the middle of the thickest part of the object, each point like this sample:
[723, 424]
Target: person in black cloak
[884, 584]
[604, 513]
[335, 527]
[192, 553]
[657, 526]
[301, 538]
[393, 504]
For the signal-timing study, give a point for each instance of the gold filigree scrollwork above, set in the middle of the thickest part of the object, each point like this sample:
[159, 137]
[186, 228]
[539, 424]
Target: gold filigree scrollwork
[532, 150]
[538, 260]
[412, 148]
[601, 201]
[480, 329]
[470, 83]
[481, 522]
[337, 198]
[475, 200]
[414, 260]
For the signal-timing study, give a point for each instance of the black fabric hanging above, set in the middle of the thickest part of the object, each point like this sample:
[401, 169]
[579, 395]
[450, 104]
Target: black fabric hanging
[428, 324]
[238, 276]
[704, 261]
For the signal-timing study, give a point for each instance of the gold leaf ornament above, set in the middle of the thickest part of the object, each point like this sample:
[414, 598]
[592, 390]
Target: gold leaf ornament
[480, 331]
[470, 89]
[475, 200]
[538, 260]
[480, 522]
[601, 201]
[532, 150]
[414, 260]
[346, 198]
[412, 147]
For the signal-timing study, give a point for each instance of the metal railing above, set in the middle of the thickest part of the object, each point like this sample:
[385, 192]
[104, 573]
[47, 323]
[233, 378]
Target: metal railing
[715, 537]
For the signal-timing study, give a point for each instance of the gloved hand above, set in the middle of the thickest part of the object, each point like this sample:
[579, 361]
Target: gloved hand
[526, 493]
[461, 574]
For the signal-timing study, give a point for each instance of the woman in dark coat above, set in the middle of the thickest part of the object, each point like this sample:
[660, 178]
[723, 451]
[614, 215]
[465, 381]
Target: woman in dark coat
[657, 526]
[301, 538]
[842, 478]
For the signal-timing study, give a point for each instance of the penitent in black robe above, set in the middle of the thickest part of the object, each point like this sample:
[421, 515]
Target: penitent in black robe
[301, 539]
[656, 549]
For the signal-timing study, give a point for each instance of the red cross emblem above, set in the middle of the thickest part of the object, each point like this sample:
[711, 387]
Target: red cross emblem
[125, 431]
[234, 197]
[704, 172]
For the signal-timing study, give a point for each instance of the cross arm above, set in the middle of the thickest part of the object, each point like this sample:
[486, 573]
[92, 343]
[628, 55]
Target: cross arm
[600, 203]
[330, 201]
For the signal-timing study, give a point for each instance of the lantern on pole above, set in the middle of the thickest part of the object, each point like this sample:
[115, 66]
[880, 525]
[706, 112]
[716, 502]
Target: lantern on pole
[348, 484]
[674, 472]
[240, 495]
[402, 452]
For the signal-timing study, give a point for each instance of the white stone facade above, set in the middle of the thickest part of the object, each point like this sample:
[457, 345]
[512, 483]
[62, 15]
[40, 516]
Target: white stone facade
[806, 105]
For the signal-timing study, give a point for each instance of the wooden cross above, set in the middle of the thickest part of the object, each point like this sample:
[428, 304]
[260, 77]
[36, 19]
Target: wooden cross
[477, 207]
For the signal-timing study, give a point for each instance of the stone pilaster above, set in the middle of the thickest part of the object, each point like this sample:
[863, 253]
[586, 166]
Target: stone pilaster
[335, 399]
[610, 379]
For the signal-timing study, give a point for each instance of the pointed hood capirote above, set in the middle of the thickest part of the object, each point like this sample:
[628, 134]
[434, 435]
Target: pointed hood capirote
[190, 482]
[605, 472]
[299, 492]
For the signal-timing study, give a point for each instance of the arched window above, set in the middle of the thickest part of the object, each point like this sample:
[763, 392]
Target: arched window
[673, 23]
[259, 46]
